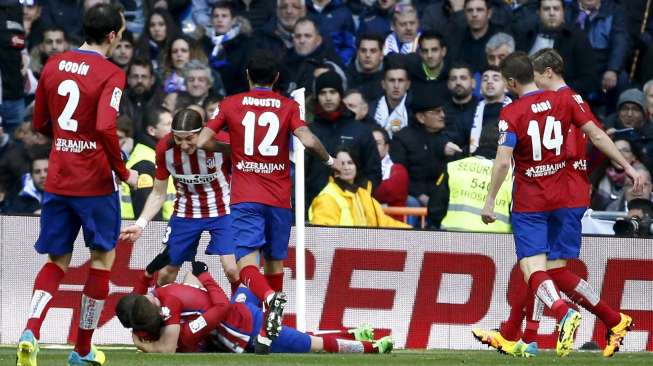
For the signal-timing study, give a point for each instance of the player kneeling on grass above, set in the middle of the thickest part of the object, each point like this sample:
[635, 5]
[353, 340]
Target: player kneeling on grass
[189, 318]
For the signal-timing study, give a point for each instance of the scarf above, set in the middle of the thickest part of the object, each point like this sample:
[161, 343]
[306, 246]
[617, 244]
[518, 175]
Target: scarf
[392, 122]
[217, 55]
[173, 83]
[284, 35]
[29, 189]
[392, 44]
[477, 126]
[329, 116]
[386, 167]
[584, 15]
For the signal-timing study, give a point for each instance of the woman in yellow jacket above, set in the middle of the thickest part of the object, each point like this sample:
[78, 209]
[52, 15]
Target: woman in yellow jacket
[347, 199]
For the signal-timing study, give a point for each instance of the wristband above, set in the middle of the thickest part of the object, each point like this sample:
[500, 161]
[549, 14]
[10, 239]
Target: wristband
[330, 162]
[141, 222]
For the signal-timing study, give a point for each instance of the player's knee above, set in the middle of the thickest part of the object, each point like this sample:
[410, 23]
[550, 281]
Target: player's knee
[103, 260]
[167, 275]
[61, 261]
[232, 273]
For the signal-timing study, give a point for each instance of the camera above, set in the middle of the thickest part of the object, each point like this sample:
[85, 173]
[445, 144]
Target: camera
[634, 226]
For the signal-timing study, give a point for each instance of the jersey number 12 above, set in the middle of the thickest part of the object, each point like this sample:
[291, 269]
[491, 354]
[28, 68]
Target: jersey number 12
[265, 148]
[552, 139]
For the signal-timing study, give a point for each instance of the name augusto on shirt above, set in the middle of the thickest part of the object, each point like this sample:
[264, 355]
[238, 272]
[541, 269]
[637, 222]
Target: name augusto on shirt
[261, 102]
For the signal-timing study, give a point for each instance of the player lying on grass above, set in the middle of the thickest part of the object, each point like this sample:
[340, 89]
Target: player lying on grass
[548, 67]
[189, 318]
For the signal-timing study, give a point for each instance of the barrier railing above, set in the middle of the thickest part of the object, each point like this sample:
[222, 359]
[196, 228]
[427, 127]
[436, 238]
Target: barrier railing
[407, 211]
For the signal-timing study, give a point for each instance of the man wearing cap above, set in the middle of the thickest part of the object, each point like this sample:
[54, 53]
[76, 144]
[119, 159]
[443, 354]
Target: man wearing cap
[423, 147]
[335, 126]
[631, 115]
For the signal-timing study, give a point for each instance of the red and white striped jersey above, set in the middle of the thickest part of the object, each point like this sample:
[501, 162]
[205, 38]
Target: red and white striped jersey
[201, 179]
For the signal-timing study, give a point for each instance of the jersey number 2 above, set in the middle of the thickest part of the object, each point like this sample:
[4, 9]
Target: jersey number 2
[70, 89]
[265, 148]
[552, 139]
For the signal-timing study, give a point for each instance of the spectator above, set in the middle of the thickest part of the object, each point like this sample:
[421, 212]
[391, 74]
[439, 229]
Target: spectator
[467, 43]
[335, 21]
[141, 93]
[125, 132]
[28, 200]
[393, 189]
[631, 114]
[67, 14]
[648, 92]
[182, 50]
[229, 46]
[32, 23]
[161, 29]
[308, 52]
[134, 12]
[276, 34]
[355, 102]
[460, 107]
[366, 72]
[498, 47]
[441, 16]
[176, 101]
[347, 199]
[335, 126]
[391, 110]
[123, 54]
[405, 30]
[645, 192]
[420, 147]
[211, 106]
[604, 22]
[609, 181]
[552, 32]
[427, 69]
[55, 41]
[493, 90]
[158, 122]
[12, 95]
[199, 81]
[377, 18]
[257, 12]
[15, 161]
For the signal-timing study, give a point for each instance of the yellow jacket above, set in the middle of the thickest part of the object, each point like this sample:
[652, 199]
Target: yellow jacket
[337, 207]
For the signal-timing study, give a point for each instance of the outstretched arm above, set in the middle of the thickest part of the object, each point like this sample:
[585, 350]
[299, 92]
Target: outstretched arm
[500, 169]
[314, 145]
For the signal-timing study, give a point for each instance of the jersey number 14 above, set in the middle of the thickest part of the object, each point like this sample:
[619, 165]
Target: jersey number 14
[552, 139]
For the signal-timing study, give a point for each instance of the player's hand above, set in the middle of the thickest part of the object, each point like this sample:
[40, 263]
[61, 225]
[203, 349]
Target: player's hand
[487, 215]
[337, 167]
[609, 80]
[199, 268]
[133, 178]
[451, 149]
[637, 178]
[131, 233]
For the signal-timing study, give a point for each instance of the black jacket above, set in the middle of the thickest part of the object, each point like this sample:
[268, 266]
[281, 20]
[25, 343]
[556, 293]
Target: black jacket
[231, 62]
[368, 84]
[135, 106]
[297, 71]
[345, 131]
[422, 153]
[573, 46]
[459, 118]
[419, 83]
[463, 47]
[11, 27]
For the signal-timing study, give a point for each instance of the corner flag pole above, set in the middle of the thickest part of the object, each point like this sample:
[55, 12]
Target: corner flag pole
[300, 227]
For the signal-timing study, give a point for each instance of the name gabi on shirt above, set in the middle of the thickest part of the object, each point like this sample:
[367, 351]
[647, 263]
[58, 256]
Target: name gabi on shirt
[74, 146]
[259, 168]
[262, 102]
[544, 170]
[74, 67]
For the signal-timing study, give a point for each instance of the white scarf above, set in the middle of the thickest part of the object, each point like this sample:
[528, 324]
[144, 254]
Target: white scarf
[386, 167]
[392, 44]
[477, 127]
[220, 39]
[392, 122]
[29, 188]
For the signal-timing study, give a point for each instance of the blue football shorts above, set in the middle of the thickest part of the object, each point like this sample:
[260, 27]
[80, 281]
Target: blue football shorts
[257, 226]
[183, 236]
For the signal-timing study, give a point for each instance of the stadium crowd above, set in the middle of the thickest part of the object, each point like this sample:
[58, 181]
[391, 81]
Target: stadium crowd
[407, 89]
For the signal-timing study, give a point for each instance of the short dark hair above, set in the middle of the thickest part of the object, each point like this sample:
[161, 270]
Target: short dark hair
[125, 123]
[99, 21]
[548, 57]
[370, 37]
[386, 135]
[360, 180]
[145, 316]
[142, 62]
[462, 65]
[517, 66]
[39, 152]
[641, 204]
[56, 28]
[124, 308]
[210, 99]
[539, 4]
[432, 35]
[394, 61]
[487, 3]
[152, 115]
[307, 20]
[187, 119]
[128, 36]
[355, 91]
[491, 68]
[263, 67]
[223, 4]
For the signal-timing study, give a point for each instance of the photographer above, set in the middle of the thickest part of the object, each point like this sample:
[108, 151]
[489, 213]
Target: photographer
[639, 220]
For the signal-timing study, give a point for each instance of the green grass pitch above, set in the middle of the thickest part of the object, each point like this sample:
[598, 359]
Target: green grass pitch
[129, 357]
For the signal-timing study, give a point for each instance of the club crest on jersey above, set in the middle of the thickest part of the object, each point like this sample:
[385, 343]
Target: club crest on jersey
[115, 99]
[541, 106]
[210, 163]
[165, 313]
[503, 126]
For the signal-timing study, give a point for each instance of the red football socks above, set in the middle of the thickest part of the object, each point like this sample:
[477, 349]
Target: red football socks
[333, 344]
[142, 284]
[95, 293]
[511, 327]
[46, 285]
[251, 277]
[275, 281]
[542, 285]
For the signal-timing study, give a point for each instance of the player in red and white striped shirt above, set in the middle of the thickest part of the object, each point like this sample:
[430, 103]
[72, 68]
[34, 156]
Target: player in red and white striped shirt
[202, 202]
